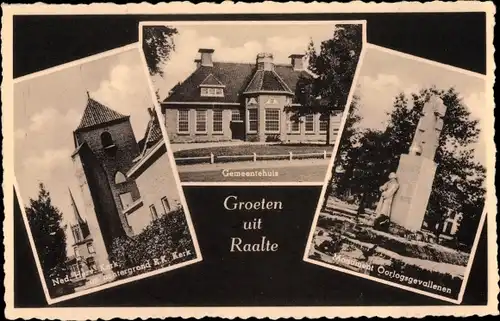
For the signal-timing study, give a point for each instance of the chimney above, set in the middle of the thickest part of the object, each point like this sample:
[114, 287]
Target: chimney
[297, 61]
[206, 57]
[265, 61]
[197, 62]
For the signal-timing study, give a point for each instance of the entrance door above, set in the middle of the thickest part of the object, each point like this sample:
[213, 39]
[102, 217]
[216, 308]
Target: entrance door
[237, 125]
[238, 129]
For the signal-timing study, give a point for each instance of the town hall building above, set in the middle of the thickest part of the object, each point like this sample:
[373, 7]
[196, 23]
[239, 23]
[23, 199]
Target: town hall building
[125, 184]
[223, 101]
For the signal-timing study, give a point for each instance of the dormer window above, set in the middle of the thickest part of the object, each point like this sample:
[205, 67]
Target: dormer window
[211, 92]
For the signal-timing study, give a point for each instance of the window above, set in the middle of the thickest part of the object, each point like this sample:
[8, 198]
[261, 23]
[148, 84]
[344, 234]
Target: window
[253, 121]
[211, 92]
[183, 121]
[154, 214]
[120, 178]
[166, 205]
[236, 115]
[293, 126]
[91, 249]
[272, 120]
[106, 140]
[217, 121]
[91, 264]
[77, 235]
[77, 251]
[323, 123]
[126, 199]
[309, 123]
[201, 121]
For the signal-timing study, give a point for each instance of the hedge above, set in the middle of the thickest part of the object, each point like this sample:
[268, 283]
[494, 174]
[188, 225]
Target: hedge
[164, 236]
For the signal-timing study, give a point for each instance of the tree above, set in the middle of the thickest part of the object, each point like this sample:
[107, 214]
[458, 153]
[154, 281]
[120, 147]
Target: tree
[157, 44]
[458, 185]
[48, 234]
[333, 68]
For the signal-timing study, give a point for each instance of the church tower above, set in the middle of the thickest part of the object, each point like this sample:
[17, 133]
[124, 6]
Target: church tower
[105, 150]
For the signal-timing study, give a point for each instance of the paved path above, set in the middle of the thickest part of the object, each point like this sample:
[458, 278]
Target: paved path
[309, 170]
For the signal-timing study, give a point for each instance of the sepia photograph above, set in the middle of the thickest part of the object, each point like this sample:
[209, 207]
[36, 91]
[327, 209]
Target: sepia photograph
[101, 197]
[252, 102]
[406, 193]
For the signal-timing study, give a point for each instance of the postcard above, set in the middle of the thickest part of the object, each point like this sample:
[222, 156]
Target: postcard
[405, 199]
[99, 191]
[252, 102]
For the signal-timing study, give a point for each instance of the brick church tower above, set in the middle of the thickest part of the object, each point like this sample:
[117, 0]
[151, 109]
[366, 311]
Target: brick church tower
[105, 150]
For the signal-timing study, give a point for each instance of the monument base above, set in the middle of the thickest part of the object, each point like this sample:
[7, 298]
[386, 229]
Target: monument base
[415, 177]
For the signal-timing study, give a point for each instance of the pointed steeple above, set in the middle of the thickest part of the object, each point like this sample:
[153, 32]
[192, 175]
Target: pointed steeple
[78, 218]
[96, 113]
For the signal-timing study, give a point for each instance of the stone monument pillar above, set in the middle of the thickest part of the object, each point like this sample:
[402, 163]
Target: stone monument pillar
[416, 169]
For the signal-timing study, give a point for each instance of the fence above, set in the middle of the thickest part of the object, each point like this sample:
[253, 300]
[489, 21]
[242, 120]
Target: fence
[212, 159]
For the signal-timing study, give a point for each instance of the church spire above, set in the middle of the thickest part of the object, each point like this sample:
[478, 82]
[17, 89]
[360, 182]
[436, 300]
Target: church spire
[78, 218]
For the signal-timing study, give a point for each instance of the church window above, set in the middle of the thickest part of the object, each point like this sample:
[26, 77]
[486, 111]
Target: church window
[126, 199]
[309, 123]
[201, 121]
[77, 235]
[166, 205]
[252, 120]
[217, 121]
[90, 247]
[154, 214]
[106, 140]
[183, 121]
[272, 120]
[120, 178]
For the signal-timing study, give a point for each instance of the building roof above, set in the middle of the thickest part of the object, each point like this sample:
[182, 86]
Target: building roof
[96, 113]
[151, 137]
[237, 78]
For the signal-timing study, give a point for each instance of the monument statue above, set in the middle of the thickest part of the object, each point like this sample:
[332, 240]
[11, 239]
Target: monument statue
[417, 169]
[388, 190]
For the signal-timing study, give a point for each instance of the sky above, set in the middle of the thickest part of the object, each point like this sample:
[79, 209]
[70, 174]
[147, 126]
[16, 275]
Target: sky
[237, 43]
[48, 108]
[384, 74]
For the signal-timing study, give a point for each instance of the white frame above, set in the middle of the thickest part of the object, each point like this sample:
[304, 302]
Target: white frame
[319, 125]
[273, 120]
[221, 131]
[196, 121]
[251, 131]
[179, 131]
[313, 123]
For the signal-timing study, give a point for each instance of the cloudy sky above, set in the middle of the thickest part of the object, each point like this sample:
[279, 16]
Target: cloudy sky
[49, 107]
[238, 43]
[383, 75]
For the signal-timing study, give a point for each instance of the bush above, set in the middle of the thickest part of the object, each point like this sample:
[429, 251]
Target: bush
[273, 138]
[164, 236]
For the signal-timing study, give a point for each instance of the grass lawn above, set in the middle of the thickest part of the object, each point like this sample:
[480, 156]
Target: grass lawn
[275, 149]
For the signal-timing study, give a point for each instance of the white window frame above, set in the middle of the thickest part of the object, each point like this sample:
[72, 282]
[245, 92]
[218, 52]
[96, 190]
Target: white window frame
[211, 92]
[240, 118]
[221, 121]
[269, 131]
[178, 121]
[166, 205]
[196, 121]
[289, 128]
[313, 124]
[251, 131]
[319, 125]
